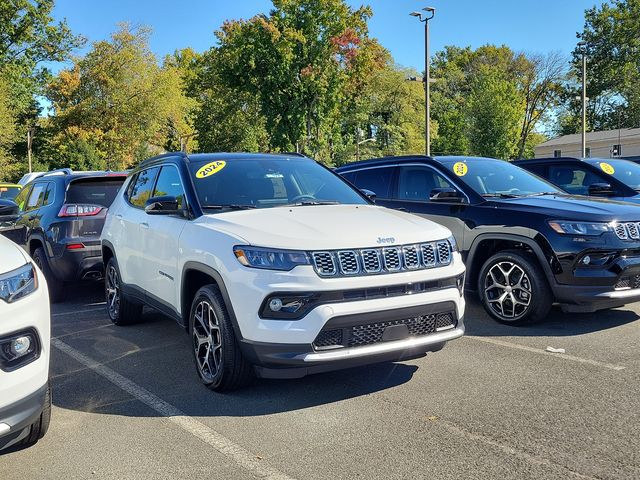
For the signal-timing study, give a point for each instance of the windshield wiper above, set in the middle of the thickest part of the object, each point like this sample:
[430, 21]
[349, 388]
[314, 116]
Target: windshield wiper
[230, 207]
[312, 202]
[500, 195]
[540, 194]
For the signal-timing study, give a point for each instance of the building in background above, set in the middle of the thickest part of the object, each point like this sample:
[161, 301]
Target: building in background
[619, 143]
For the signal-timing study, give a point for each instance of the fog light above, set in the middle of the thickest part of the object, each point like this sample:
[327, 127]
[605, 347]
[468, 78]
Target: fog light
[586, 260]
[20, 346]
[275, 304]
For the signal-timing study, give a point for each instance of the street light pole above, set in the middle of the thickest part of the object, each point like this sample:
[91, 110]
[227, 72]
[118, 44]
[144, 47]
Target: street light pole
[424, 16]
[583, 49]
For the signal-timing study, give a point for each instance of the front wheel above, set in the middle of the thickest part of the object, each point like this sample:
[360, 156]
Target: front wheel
[219, 361]
[39, 428]
[513, 288]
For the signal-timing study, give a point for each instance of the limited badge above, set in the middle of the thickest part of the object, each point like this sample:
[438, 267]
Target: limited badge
[607, 168]
[211, 169]
[460, 169]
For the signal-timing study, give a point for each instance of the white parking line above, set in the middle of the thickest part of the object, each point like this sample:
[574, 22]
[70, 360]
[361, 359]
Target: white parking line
[242, 457]
[76, 312]
[540, 351]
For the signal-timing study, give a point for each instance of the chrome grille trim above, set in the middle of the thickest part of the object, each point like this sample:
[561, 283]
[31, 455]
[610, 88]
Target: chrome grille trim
[627, 230]
[324, 263]
[372, 261]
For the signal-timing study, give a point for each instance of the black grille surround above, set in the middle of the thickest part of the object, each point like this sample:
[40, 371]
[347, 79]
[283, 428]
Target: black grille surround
[381, 260]
[369, 329]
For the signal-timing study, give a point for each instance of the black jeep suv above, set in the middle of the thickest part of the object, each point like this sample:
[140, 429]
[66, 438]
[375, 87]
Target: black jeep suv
[58, 219]
[526, 244]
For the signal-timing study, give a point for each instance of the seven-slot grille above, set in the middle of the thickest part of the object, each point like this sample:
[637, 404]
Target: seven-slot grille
[382, 260]
[628, 231]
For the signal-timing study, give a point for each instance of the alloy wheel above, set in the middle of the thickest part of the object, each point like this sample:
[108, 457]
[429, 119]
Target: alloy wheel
[113, 292]
[507, 289]
[207, 341]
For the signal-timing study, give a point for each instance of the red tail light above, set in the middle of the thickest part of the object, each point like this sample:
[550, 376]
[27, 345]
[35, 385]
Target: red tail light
[75, 246]
[79, 210]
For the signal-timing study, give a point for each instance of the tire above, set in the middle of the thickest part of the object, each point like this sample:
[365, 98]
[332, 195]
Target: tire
[56, 287]
[39, 428]
[121, 309]
[230, 370]
[513, 288]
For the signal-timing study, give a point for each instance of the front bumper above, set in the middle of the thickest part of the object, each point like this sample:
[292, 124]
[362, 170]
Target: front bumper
[296, 360]
[595, 288]
[15, 419]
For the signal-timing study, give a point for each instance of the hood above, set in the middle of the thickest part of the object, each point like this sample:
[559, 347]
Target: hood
[572, 207]
[11, 256]
[326, 227]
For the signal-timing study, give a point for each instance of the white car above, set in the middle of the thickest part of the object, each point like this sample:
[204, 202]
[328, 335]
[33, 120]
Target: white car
[276, 265]
[25, 333]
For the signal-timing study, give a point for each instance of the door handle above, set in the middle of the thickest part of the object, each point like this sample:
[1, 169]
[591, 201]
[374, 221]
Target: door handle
[145, 225]
[119, 216]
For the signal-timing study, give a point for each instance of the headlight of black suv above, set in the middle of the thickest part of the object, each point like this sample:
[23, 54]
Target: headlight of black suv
[571, 227]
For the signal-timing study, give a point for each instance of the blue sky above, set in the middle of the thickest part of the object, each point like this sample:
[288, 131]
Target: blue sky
[524, 25]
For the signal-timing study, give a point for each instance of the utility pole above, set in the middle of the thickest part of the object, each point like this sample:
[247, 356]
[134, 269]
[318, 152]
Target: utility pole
[427, 14]
[583, 49]
[30, 132]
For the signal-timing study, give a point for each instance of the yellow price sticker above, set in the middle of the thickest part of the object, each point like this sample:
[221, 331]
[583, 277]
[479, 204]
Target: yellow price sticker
[210, 169]
[607, 168]
[460, 169]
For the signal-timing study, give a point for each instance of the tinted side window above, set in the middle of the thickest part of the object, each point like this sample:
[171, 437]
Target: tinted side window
[50, 196]
[416, 183]
[21, 199]
[378, 180]
[142, 188]
[169, 183]
[540, 170]
[574, 179]
[36, 197]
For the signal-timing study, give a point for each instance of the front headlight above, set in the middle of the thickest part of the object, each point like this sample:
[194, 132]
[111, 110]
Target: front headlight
[18, 283]
[452, 242]
[270, 258]
[570, 227]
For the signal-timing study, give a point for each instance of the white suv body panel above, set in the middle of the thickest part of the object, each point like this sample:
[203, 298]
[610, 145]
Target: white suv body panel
[30, 312]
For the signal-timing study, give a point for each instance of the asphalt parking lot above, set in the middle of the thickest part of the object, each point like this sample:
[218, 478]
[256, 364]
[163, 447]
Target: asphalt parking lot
[494, 404]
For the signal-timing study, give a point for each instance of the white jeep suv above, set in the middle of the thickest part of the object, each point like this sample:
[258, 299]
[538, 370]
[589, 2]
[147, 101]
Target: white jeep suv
[25, 329]
[277, 266]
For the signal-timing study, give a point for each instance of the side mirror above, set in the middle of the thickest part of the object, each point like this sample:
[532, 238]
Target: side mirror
[600, 189]
[8, 208]
[369, 194]
[448, 195]
[165, 205]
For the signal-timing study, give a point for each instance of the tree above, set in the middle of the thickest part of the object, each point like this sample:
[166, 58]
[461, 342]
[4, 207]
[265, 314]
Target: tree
[119, 100]
[296, 62]
[612, 36]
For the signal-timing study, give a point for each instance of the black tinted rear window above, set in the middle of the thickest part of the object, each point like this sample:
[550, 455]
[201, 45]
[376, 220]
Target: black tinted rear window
[94, 191]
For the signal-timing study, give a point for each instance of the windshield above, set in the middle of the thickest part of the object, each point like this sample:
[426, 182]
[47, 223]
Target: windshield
[492, 178]
[9, 193]
[269, 182]
[623, 170]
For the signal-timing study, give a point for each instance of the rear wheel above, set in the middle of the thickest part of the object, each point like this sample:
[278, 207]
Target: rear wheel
[121, 310]
[56, 287]
[219, 361]
[513, 288]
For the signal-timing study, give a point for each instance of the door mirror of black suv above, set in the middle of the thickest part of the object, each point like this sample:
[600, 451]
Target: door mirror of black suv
[369, 194]
[165, 205]
[450, 195]
[8, 208]
[601, 189]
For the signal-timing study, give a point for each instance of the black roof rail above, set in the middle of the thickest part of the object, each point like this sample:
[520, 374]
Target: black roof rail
[66, 171]
[148, 161]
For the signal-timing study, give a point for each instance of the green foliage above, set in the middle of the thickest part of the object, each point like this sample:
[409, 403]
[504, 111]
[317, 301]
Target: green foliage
[120, 101]
[612, 35]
